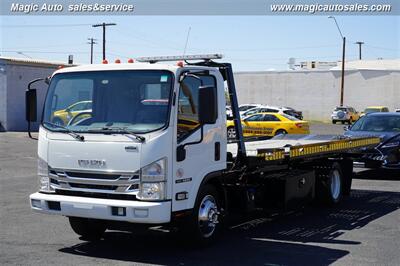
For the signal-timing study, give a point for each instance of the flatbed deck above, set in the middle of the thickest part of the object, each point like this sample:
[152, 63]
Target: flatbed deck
[302, 146]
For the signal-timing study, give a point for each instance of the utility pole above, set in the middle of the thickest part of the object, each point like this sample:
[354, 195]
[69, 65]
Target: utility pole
[92, 42]
[343, 61]
[359, 49]
[104, 25]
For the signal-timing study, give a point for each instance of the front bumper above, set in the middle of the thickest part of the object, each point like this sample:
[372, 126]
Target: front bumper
[97, 208]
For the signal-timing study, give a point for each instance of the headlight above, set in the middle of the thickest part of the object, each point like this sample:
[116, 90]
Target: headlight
[43, 174]
[391, 145]
[153, 181]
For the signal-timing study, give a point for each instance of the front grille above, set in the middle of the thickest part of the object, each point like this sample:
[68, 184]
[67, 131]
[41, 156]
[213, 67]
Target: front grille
[92, 176]
[94, 181]
[103, 187]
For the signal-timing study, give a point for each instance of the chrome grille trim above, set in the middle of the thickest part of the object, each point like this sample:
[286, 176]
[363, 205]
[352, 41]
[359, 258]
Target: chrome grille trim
[95, 181]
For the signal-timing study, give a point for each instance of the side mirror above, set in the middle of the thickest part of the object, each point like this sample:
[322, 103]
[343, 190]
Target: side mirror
[31, 105]
[208, 108]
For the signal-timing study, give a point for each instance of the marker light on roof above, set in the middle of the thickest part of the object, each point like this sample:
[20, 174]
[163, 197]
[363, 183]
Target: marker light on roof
[105, 61]
[130, 60]
[179, 63]
[117, 61]
[59, 67]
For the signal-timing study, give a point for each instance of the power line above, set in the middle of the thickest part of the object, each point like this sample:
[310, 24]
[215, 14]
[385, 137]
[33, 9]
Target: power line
[44, 25]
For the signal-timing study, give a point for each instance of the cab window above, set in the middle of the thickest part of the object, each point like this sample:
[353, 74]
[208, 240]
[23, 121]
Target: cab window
[271, 118]
[254, 118]
[188, 109]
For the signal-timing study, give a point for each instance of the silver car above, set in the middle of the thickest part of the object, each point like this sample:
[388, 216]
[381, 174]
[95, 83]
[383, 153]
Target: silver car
[344, 114]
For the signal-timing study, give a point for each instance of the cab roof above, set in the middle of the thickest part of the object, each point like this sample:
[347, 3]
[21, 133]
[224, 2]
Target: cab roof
[128, 66]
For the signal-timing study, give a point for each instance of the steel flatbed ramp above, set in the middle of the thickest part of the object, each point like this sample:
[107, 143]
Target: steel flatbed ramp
[303, 146]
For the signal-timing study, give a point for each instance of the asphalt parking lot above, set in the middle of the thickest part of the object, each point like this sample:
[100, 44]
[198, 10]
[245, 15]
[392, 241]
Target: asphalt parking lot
[363, 230]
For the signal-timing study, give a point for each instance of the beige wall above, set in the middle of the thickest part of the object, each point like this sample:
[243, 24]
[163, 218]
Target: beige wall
[316, 93]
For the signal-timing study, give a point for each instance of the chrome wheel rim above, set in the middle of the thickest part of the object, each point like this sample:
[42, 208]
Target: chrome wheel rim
[208, 216]
[335, 184]
[231, 133]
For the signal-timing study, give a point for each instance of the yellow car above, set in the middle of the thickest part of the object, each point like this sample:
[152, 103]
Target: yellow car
[375, 109]
[63, 117]
[269, 124]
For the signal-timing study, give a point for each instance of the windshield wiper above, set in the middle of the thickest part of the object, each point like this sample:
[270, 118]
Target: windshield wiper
[69, 131]
[120, 130]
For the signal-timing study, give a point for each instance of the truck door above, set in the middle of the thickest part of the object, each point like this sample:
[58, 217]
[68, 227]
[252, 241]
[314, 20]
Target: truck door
[201, 156]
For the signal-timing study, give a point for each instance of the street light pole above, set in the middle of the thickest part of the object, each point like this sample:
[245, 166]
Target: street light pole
[343, 61]
[104, 25]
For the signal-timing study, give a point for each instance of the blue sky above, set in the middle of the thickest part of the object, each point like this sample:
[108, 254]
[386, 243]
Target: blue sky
[249, 42]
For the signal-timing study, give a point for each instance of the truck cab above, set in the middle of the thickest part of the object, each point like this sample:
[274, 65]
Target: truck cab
[123, 165]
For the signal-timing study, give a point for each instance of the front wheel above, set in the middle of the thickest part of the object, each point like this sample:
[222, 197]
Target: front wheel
[203, 226]
[88, 229]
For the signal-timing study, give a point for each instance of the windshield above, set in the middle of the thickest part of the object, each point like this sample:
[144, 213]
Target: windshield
[136, 100]
[291, 118]
[377, 124]
[372, 110]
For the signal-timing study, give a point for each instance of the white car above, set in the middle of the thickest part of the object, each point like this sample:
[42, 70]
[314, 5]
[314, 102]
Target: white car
[273, 109]
[246, 107]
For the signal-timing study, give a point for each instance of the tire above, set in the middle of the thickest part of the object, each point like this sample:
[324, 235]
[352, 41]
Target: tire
[203, 226]
[330, 189]
[350, 121]
[280, 132]
[57, 121]
[343, 122]
[334, 122]
[231, 133]
[88, 229]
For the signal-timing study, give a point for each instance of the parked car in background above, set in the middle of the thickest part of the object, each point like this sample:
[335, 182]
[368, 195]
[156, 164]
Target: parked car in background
[269, 125]
[386, 126]
[397, 110]
[245, 107]
[64, 116]
[273, 109]
[228, 111]
[293, 112]
[344, 114]
[375, 109]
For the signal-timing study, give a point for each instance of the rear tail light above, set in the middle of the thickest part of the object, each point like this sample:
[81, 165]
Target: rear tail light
[301, 125]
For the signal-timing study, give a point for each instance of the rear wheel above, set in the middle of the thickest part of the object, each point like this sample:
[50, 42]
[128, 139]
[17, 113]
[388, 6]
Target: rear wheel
[333, 121]
[343, 122]
[330, 190]
[203, 226]
[351, 120]
[88, 229]
[280, 132]
[231, 133]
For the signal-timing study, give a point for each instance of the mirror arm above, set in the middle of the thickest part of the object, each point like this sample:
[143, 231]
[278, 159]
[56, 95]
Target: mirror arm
[29, 88]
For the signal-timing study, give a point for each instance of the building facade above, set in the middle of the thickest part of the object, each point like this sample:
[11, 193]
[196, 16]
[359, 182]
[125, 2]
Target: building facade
[317, 92]
[15, 74]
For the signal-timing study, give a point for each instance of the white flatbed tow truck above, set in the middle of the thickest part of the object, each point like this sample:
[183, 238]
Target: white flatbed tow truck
[149, 147]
